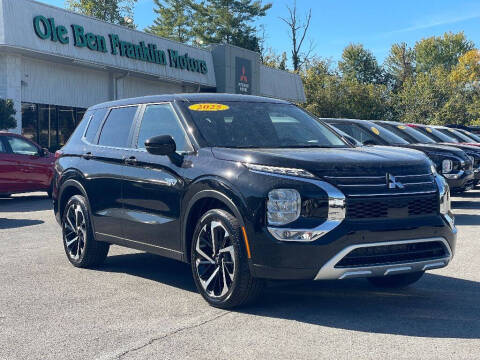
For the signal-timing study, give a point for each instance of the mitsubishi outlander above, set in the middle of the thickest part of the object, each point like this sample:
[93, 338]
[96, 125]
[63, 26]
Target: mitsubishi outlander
[246, 189]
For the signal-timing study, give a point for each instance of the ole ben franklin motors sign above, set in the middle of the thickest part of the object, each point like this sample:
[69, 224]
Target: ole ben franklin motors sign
[47, 29]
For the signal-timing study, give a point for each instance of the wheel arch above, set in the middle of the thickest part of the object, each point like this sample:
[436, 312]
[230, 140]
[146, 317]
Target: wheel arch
[68, 189]
[198, 204]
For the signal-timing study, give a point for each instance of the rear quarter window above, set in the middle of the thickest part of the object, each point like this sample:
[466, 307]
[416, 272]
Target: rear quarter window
[94, 119]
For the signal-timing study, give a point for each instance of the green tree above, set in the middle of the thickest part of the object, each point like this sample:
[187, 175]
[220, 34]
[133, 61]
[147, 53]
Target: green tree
[227, 21]
[400, 64]
[174, 20]
[274, 60]
[113, 11]
[7, 115]
[441, 51]
[360, 64]
[331, 95]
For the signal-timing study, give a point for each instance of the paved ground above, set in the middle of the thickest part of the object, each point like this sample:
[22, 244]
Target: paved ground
[140, 306]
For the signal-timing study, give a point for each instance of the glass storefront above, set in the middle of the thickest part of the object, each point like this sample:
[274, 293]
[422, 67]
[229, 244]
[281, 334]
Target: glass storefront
[50, 125]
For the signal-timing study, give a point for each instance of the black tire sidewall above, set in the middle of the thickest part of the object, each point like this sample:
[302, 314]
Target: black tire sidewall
[80, 200]
[233, 227]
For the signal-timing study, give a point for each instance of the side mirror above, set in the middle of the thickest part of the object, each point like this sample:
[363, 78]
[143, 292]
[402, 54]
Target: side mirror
[161, 145]
[44, 152]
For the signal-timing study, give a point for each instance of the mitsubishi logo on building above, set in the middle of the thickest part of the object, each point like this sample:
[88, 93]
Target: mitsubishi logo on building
[392, 183]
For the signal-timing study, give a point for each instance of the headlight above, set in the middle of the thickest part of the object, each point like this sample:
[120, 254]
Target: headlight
[283, 206]
[279, 170]
[447, 166]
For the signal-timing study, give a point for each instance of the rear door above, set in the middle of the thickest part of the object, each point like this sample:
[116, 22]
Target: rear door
[31, 171]
[103, 163]
[153, 185]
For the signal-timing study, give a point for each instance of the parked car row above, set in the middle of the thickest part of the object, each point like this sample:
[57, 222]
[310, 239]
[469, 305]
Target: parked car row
[455, 152]
[247, 189]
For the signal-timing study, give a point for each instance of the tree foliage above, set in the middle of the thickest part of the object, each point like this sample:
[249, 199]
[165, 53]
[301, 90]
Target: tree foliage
[360, 64]
[436, 82]
[113, 11]
[441, 51]
[174, 20]
[7, 115]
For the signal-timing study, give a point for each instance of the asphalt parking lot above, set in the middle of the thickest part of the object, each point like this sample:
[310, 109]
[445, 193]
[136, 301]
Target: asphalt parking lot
[141, 306]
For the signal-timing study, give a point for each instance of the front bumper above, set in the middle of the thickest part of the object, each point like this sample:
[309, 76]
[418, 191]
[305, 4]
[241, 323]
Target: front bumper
[316, 260]
[463, 182]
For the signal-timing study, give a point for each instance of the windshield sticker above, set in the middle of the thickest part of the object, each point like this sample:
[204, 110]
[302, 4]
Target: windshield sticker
[375, 130]
[401, 127]
[429, 130]
[208, 107]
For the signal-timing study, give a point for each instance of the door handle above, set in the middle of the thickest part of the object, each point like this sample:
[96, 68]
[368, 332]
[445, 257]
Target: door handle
[132, 160]
[87, 155]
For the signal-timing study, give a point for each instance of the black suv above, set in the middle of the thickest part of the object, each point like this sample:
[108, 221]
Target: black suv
[450, 162]
[245, 189]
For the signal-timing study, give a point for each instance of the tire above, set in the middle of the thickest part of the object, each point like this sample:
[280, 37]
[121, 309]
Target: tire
[222, 276]
[396, 281]
[80, 246]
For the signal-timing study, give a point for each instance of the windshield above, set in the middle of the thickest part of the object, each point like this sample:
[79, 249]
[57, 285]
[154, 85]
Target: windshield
[260, 125]
[368, 133]
[436, 135]
[457, 135]
[471, 135]
[409, 134]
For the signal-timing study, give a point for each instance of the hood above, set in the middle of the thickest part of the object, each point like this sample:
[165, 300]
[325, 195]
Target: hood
[364, 161]
[467, 148]
[438, 149]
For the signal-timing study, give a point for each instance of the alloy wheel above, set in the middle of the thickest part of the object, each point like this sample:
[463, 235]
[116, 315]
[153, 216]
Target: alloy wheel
[215, 259]
[75, 231]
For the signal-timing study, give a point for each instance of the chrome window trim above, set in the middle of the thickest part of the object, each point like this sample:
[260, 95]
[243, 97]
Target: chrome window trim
[336, 209]
[328, 271]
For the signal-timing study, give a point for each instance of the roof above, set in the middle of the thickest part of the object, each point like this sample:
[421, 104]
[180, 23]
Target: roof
[189, 97]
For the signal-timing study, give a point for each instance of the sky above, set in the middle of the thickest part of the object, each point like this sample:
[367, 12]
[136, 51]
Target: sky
[377, 24]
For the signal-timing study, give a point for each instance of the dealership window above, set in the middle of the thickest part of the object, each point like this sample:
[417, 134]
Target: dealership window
[49, 125]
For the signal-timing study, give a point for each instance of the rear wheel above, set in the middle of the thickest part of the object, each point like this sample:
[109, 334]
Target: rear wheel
[396, 281]
[78, 240]
[219, 262]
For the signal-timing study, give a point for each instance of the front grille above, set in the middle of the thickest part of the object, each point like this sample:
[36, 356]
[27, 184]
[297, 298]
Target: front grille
[358, 186]
[392, 207]
[393, 254]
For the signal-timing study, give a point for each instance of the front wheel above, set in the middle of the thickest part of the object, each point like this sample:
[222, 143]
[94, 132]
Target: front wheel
[396, 281]
[219, 262]
[78, 240]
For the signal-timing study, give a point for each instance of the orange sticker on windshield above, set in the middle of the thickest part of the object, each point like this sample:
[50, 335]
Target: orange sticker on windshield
[375, 130]
[401, 127]
[429, 130]
[208, 107]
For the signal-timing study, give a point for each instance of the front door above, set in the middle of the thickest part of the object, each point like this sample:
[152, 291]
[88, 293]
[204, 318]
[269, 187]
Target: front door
[153, 185]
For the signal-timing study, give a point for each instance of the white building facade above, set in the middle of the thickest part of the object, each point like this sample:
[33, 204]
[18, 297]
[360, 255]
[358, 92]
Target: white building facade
[55, 63]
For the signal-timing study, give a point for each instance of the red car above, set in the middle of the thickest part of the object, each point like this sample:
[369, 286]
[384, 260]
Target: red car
[24, 165]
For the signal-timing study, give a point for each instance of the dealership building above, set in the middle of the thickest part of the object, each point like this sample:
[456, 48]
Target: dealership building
[55, 63]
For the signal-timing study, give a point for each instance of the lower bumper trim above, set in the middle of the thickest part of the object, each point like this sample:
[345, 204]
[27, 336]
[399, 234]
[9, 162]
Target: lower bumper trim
[329, 271]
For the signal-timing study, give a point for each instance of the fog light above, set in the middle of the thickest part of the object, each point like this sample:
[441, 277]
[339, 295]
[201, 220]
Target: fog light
[283, 206]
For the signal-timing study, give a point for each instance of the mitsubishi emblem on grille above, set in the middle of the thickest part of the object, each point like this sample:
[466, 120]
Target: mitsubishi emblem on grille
[392, 183]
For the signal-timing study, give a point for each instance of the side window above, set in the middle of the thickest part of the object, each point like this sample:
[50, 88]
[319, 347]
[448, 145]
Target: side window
[22, 147]
[161, 120]
[357, 132]
[95, 121]
[116, 129]
[3, 148]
